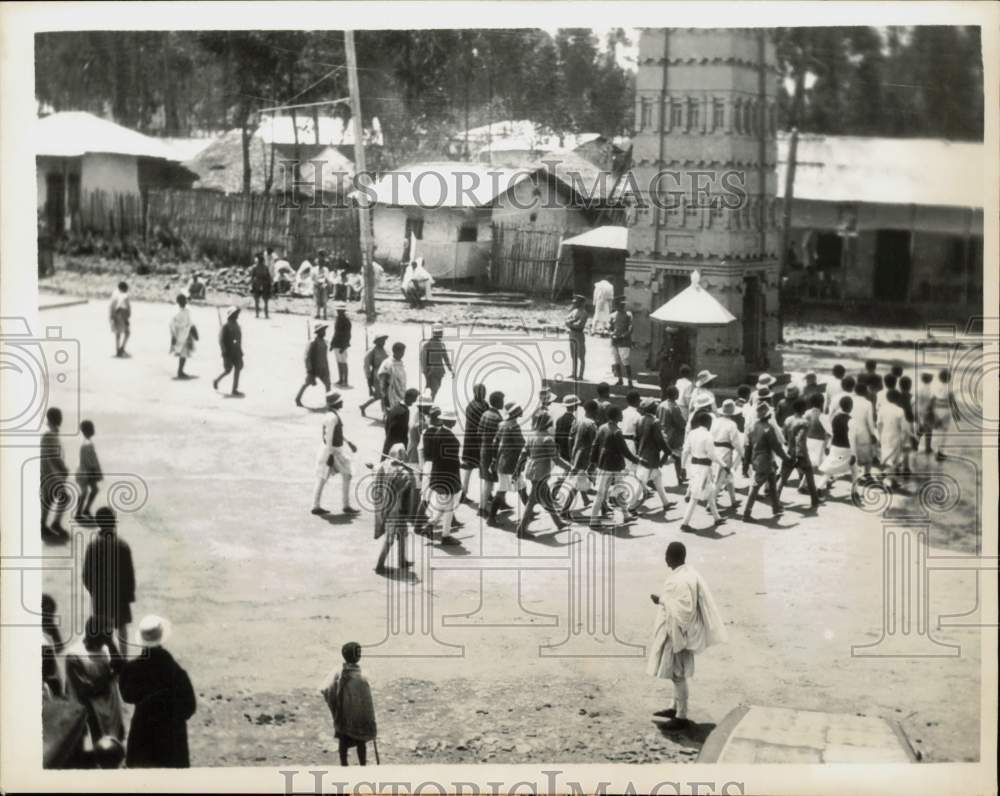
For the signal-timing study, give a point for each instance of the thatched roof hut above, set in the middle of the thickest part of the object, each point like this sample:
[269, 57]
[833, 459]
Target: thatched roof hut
[219, 166]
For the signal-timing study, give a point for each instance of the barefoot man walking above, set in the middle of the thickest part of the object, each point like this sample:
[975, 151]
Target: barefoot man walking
[687, 621]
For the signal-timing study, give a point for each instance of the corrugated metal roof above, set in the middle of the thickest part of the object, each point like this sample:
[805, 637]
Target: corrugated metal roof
[523, 135]
[333, 130]
[447, 184]
[70, 134]
[586, 178]
[608, 237]
[920, 171]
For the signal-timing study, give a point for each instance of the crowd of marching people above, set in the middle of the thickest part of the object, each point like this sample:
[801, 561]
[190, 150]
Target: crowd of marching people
[612, 459]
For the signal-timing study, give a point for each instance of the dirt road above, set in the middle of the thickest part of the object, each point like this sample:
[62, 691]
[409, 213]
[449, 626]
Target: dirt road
[262, 595]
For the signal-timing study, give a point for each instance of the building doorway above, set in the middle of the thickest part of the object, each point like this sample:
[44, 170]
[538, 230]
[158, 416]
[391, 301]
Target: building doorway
[55, 203]
[892, 265]
[754, 310]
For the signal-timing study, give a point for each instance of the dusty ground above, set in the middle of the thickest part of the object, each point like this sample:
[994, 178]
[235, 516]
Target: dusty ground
[262, 594]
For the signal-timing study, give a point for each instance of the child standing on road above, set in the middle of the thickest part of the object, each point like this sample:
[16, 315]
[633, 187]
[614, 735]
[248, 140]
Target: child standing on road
[89, 474]
[349, 698]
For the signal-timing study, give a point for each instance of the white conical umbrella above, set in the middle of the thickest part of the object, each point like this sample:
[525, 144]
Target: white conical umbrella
[694, 306]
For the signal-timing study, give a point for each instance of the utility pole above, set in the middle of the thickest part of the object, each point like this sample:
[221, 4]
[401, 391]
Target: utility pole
[364, 217]
[789, 194]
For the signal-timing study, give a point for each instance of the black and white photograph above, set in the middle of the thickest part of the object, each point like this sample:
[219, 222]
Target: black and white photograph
[500, 397]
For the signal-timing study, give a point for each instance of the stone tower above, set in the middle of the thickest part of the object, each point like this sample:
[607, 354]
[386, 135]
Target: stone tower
[706, 120]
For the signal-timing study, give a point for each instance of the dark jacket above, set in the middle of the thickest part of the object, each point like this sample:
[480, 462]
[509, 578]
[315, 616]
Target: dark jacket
[584, 434]
[564, 434]
[610, 450]
[51, 454]
[317, 363]
[509, 441]
[231, 342]
[109, 577]
[649, 443]
[260, 278]
[397, 426]
[441, 450]
[489, 424]
[602, 412]
[341, 332]
[672, 425]
[765, 445]
[164, 700]
[472, 443]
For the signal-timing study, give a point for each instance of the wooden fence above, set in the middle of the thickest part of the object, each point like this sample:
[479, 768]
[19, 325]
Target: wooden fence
[528, 260]
[233, 227]
[228, 227]
[113, 214]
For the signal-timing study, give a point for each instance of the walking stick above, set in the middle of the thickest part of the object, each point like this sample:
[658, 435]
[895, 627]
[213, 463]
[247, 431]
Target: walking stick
[218, 315]
[375, 744]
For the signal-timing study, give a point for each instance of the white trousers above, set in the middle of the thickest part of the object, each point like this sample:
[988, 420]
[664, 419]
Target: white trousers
[441, 508]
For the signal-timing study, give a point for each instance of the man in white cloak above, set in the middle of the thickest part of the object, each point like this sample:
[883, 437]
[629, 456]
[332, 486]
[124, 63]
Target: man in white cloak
[687, 621]
[604, 293]
[183, 335]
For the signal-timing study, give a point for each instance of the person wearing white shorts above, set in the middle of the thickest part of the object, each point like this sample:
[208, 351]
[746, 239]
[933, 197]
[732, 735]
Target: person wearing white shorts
[332, 458]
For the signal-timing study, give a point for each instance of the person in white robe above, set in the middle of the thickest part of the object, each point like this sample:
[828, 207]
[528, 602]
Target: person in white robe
[304, 280]
[183, 335]
[893, 431]
[687, 622]
[604, 293]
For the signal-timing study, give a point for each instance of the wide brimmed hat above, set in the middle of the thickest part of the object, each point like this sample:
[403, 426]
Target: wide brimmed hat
[334, 398]
[648, 404]
[447, 416]
[728, 407]
[425, 400]
[701, 402]
[339, 306]
[618, 299]
[570, 400]
[765, 380]
[378, 337]
[763, 410]
[317, 327]
[704, 377]
[547, 396]
[578, 297]
[514, 409]
[153, 630]
[437, 328]
[231, 311]
[764, 394]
